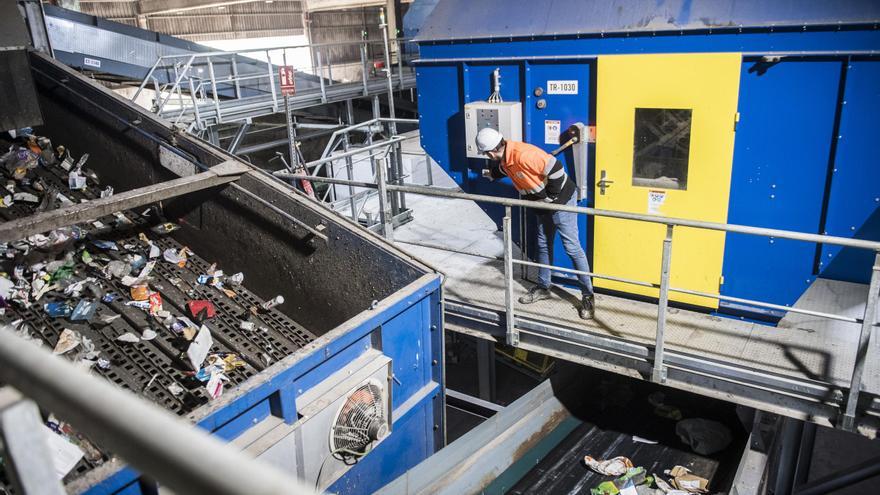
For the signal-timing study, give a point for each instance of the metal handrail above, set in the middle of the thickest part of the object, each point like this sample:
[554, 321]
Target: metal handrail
[180, 456]
[235, 78]
[867, 322]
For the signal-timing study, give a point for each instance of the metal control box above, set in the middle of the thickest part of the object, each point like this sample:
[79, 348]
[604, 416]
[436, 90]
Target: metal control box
[505, 117]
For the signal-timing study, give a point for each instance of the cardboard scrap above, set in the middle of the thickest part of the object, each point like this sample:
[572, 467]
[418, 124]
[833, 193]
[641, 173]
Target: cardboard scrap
[683, 479]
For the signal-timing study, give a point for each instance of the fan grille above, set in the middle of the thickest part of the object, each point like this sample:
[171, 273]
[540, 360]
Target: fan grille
[360, 421]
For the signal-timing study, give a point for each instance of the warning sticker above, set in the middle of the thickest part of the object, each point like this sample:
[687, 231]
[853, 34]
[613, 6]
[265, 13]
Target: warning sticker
[655, 201]
[551, 131]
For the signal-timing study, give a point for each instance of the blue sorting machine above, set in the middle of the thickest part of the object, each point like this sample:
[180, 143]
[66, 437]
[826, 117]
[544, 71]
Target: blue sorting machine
[742, 112]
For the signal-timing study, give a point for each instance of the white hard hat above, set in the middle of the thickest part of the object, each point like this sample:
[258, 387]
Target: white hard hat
[488, 139]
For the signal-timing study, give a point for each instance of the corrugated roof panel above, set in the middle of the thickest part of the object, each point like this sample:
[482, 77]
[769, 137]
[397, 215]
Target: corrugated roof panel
[466, 19]
[251, 20]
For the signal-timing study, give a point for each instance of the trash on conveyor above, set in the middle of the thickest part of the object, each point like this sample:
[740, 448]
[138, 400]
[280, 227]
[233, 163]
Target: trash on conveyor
[634, 481]
[121, 297]
[638, 439]
[201, 309]
[611, 467]
[705, 436]
[683, 479]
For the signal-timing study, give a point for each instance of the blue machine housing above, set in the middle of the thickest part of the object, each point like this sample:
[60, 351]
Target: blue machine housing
[803, 157]
[356, 292]
[400, 326]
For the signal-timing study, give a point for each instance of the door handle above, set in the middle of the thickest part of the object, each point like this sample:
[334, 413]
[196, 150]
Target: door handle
[603, 183]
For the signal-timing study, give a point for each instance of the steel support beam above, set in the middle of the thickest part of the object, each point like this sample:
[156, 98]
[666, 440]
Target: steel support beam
[841, 479]
[42, 222]
[473, 461]
[486, 369]
[849, 417]
[153, 7]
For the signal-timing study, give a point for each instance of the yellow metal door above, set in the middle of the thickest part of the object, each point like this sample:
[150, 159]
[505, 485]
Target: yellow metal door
[664, 146]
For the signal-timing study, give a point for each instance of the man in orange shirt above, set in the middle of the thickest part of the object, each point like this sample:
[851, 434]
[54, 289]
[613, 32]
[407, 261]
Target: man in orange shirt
[538, 176]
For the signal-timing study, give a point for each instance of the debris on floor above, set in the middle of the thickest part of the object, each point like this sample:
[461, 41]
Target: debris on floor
[683, 479]
[611, 467]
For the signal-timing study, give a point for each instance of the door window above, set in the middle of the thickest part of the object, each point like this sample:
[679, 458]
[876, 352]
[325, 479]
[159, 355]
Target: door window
[661, 147]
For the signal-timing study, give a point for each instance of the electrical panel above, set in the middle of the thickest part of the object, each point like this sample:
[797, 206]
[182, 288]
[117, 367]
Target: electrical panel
[505, 117]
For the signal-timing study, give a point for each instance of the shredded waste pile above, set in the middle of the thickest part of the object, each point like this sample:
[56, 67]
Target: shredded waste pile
[120, 297]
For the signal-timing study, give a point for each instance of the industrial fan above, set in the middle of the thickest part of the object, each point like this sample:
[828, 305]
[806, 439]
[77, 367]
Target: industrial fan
[359, 422]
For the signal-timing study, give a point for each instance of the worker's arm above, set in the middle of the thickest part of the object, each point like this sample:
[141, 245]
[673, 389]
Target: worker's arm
[555, 178]
[494, 171]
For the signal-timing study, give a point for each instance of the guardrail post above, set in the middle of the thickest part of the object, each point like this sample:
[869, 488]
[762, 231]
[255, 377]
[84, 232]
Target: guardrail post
[384, 208]
[329, 69]
[321, 77]
[146, 79]
[659, 374]
[198, 116]
[178, 77]
[848, 420]
[235, 77]
[349, 165]
[271, 73]
[512, 333]
[364, 67]
[399, 66]
[214, 90]
[28, 460]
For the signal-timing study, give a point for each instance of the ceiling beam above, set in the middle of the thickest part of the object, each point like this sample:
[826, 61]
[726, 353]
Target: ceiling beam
[152, 7]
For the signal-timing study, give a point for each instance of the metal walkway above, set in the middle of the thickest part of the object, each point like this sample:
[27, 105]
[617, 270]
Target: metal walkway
[207, 113]
[801, 368]
[207, 89]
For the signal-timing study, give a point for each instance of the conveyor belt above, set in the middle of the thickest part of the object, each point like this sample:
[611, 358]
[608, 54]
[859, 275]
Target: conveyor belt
[148, 368]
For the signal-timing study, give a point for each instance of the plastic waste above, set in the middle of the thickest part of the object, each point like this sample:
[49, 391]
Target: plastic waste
[155, 303]
[165, 228]
[60, 309]
[84, 310]
[199, 347]
[271, 303]
[236, 279]
[140, 292]
[174, 256]
[611, 467]
[201, 309]
[129, 338]
[67, 342]
[105, 245]
[175, 389]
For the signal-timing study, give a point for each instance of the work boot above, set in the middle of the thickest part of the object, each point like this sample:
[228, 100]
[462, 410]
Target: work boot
[535, 294]
[588, 307]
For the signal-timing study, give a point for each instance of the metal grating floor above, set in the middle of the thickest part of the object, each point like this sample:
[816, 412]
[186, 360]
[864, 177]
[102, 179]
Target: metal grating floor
[800, 347]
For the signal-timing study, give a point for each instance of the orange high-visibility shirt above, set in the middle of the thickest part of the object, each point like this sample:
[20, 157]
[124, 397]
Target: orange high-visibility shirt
[527, 166]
